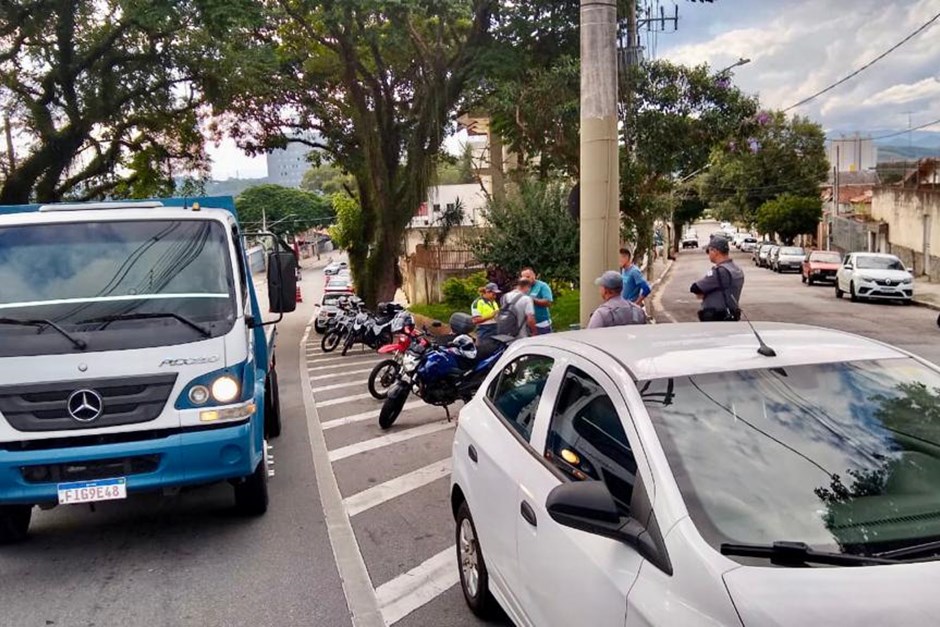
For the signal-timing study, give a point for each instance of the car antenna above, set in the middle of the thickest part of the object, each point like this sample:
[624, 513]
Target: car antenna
[764, 350]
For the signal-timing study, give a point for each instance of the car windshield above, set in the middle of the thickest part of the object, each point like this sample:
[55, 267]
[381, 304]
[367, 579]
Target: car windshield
[76, 274]
[868, 262]
[826, 257]
[332, 300]
[842, 456]
[792, 251]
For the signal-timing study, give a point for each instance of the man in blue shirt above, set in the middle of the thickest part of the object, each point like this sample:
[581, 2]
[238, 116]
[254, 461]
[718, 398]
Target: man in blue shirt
[635, 286]
[541, 295]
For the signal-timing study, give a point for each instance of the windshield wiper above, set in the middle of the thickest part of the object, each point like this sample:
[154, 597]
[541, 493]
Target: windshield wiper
[149, 316]
[799, 554]
[42, 324]
[916, 550]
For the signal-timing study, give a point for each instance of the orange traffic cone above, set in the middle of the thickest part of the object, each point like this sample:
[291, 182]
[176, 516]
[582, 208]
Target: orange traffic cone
[300, 297]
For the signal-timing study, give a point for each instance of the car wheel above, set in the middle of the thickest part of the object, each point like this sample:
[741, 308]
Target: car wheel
[319, 328]
[810, 280]
[802, 278]
[852, 295]
[839, 292]
[14, 523]
[474, 578]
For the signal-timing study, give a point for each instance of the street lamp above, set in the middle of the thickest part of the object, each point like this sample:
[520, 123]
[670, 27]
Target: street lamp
[738, 63]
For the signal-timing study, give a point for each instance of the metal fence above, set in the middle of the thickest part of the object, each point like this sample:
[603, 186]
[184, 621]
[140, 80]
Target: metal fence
[849, 235]
[446, 259]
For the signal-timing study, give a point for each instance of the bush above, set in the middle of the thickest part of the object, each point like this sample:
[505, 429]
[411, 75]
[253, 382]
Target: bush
[461, 293]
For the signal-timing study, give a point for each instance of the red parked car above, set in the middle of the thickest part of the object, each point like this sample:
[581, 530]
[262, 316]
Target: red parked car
[821, 266]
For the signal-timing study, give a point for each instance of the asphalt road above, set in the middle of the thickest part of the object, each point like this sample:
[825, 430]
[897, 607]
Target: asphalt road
[188, 560]
[784, 298]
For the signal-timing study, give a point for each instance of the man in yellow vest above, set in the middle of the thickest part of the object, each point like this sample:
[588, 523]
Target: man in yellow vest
[484, 310]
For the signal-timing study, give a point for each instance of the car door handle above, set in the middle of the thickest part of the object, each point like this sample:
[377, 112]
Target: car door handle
[528, 514]
[472, 452]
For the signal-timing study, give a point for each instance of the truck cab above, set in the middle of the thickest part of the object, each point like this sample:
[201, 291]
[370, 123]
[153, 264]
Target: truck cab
[133, 354]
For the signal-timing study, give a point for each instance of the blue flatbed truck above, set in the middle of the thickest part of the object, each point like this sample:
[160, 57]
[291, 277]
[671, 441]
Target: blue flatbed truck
[133, 354]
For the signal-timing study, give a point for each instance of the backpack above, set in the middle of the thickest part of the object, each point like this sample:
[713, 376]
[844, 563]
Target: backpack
[507, 321]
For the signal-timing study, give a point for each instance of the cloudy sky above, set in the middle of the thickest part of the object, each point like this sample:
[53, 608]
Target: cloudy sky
[796, 47]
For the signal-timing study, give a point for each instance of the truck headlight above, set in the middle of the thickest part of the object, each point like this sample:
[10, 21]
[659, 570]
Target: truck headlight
[225, 389]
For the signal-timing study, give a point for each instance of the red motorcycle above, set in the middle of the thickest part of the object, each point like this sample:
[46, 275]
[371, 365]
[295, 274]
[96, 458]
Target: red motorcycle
[410, 342]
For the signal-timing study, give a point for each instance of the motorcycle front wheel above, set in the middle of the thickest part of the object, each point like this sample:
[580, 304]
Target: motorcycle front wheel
[383, 377]
[350, 341]
[330, 341]
[393, 405]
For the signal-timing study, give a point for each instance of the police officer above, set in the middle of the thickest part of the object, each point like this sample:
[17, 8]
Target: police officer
[720, 289]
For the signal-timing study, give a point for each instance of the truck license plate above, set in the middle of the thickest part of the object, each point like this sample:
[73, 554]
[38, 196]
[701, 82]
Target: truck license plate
[92, 491]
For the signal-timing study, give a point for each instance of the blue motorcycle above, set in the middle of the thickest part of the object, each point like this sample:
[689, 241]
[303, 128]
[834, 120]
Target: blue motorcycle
[445, 372]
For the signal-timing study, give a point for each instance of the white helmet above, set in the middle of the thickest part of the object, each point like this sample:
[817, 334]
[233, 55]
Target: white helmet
[463, 345]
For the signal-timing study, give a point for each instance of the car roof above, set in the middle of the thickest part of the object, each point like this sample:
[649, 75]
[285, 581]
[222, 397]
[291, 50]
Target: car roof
[862, 253]
[673, 350]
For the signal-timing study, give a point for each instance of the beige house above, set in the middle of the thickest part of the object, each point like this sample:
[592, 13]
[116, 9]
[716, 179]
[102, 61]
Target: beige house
[911, 215]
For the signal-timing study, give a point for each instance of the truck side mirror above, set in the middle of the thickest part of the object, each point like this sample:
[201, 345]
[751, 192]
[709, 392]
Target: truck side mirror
[282, 282]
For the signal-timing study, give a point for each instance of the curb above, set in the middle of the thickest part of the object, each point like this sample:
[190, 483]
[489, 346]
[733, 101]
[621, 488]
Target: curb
[925, 304]
[654, 297]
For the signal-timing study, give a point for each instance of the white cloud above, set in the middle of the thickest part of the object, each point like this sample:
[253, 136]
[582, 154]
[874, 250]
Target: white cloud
[229, 161]
[806, 45]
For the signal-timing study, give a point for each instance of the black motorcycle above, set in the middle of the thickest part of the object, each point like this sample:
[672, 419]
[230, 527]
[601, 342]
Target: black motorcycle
[338, 326]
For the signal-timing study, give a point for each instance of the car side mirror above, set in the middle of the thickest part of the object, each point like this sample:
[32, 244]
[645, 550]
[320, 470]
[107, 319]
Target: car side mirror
[282, 282]
[588, 506]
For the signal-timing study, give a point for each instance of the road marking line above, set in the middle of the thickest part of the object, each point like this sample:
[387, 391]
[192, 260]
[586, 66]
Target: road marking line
[376, 495]
[336, 386]
[407, 592]
[357, 585]
[388, 440]
[366, 415]
[343, 399]
[348, 360]
[335, 366]
[321, 377]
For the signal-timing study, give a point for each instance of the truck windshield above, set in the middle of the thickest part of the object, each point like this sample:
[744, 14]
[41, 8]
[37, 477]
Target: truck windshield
[114, 284]
[844, 457]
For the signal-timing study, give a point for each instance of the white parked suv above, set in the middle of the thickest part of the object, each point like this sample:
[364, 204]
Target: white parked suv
[874, 276]
[674, 475]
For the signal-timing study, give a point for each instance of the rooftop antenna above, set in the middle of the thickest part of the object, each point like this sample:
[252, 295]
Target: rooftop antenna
[764, 350]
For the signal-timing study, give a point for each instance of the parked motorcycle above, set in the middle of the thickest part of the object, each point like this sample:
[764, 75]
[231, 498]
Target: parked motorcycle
[445, 374]
[338, 326]
[404, 352]
[373, 330]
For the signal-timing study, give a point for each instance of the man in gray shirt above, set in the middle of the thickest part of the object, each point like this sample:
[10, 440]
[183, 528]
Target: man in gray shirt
[720, 289]
[615, 311]
[522, 305]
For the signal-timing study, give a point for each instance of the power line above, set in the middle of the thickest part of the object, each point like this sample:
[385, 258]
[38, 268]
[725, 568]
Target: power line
[908, 130]
[867, 65]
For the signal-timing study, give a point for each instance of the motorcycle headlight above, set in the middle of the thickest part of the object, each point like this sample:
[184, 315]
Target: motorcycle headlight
[225, 389]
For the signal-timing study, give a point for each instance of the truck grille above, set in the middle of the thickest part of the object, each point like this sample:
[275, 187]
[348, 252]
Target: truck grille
[44, 406]
[90, 470]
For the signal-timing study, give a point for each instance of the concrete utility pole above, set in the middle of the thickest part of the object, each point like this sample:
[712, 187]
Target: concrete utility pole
[600, 168]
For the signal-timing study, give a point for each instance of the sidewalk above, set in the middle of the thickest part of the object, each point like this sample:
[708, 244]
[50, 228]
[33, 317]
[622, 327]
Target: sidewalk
[927, 294]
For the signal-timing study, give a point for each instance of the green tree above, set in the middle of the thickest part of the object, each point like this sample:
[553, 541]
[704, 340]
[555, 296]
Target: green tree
[458, 170]
[532, 227]
[530, 82]
[378, 80]
[789, 216]
[327, 179]
[106, 97]
[781, 156]
[285, 209]
[677, 116]
[347, 232]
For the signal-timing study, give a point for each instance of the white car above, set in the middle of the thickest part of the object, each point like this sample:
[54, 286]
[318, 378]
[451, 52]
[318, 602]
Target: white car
[673, 475]
[690, 240]
[748, 244]
[335, 267]
[874, 276]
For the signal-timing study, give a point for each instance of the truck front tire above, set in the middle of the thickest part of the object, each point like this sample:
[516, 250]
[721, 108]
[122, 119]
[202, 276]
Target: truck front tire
[14, 523]
[251, 495]
[272, 407]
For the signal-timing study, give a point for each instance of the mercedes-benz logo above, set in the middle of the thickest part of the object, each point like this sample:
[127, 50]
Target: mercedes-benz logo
[85, 405]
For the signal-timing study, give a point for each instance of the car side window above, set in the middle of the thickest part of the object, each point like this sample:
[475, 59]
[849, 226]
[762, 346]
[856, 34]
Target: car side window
[586, 439]
[516, 392]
